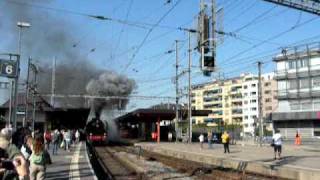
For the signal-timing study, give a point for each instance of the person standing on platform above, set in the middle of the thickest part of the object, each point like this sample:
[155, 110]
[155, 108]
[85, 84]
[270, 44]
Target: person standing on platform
[277, 141]
[201, 139]
[210, 140]
[67, 139]
[77, 135]
[297, 139]
[56, 142]
[47, 139]
[170, 136]
[225, 141]
[37, 159]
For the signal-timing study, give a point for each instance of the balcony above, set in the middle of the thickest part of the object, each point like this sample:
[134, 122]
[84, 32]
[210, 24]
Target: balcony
[211, 99]
[217, 113]
[283, 94]
[212, 106]
[212, 92]
[237, 111]
[236, 107]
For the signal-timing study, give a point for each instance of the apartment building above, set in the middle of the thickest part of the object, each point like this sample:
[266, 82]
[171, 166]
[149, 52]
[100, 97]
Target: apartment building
[269, 98]
[208, 97]
[298, 80]
[234, 101]
[223, 98]
[250, 103]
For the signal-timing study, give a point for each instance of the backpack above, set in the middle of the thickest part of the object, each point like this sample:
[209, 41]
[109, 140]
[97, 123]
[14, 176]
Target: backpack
[47, 136]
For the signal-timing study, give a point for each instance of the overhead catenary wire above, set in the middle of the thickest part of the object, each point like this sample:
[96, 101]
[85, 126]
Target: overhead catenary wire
[147, 35]
[122, 28]
[269, 39]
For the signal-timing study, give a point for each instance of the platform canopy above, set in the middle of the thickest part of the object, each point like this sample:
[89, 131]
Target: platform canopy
[152, 115]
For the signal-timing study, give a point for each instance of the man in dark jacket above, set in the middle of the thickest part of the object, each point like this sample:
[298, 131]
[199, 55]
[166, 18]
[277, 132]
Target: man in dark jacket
[12, 153]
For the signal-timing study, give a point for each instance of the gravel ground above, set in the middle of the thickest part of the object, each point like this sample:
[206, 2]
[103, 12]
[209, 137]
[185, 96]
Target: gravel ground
[152, 169]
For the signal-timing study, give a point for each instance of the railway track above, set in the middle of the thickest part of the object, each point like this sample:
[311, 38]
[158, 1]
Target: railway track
[194, 170]
[128, 162]
[114, 168]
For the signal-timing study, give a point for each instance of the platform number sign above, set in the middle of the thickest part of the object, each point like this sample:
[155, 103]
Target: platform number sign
[8, 68]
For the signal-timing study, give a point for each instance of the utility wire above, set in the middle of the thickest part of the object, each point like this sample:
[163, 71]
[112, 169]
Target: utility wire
[148, 33]
[122, 28]
[255, 19]
[269, 39]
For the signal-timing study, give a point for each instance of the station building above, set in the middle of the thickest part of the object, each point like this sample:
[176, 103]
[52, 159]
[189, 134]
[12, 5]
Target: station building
[298, 79]
[49, 113]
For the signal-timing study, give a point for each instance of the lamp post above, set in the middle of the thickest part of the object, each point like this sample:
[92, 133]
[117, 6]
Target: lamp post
[21, 25]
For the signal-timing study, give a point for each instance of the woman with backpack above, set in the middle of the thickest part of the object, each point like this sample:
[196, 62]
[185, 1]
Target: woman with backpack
[37, 159]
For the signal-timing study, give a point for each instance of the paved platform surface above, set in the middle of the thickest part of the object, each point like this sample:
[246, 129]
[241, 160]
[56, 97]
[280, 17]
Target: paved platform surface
[70, 165]
[297, 162]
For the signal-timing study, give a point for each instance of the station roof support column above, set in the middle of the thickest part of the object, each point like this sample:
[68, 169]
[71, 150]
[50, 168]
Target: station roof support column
[158, 129]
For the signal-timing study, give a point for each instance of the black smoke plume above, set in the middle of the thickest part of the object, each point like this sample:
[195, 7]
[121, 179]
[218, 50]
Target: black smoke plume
[110, 84]
[53, 34]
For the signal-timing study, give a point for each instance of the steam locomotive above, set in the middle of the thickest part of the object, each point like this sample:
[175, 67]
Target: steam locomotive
[96, 131]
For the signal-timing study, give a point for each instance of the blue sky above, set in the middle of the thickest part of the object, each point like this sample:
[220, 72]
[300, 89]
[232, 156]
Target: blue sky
[115, 44]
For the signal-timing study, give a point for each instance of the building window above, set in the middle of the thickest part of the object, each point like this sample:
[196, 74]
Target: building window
[267, 84]
[268, 100]
[292, 64]
[316, 104]
[253, 85]
[245, 102]
[294, 106]
[267, 92]
[269, 108]
[304, 83]
[293, 84]
[306, 105]
[302, 63]
[245, 87]
[253, 101]
[246, 117]
[245, 94]
[316, 82]
[253, 93]
[254, 117]
[253, 109]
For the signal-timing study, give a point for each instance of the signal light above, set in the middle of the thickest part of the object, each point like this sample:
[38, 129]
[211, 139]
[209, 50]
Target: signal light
[208, 63]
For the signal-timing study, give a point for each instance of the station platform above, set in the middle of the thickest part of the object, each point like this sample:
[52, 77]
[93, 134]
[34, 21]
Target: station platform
[297, 162]
[70, 165]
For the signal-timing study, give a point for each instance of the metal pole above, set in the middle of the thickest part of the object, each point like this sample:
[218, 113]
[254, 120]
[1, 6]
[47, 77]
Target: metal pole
[213, 29]
[10, 101]
[53, 81]
[260, 104]
[34, 100]
[177, 92]
[27, 94]
[15, 98]
[189, 91]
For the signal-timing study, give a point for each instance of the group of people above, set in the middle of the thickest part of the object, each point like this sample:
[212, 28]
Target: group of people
[225, 139]
[61, 139]
[25, 154]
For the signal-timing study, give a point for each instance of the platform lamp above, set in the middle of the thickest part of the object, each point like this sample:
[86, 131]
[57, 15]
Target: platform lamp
[21, 25]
